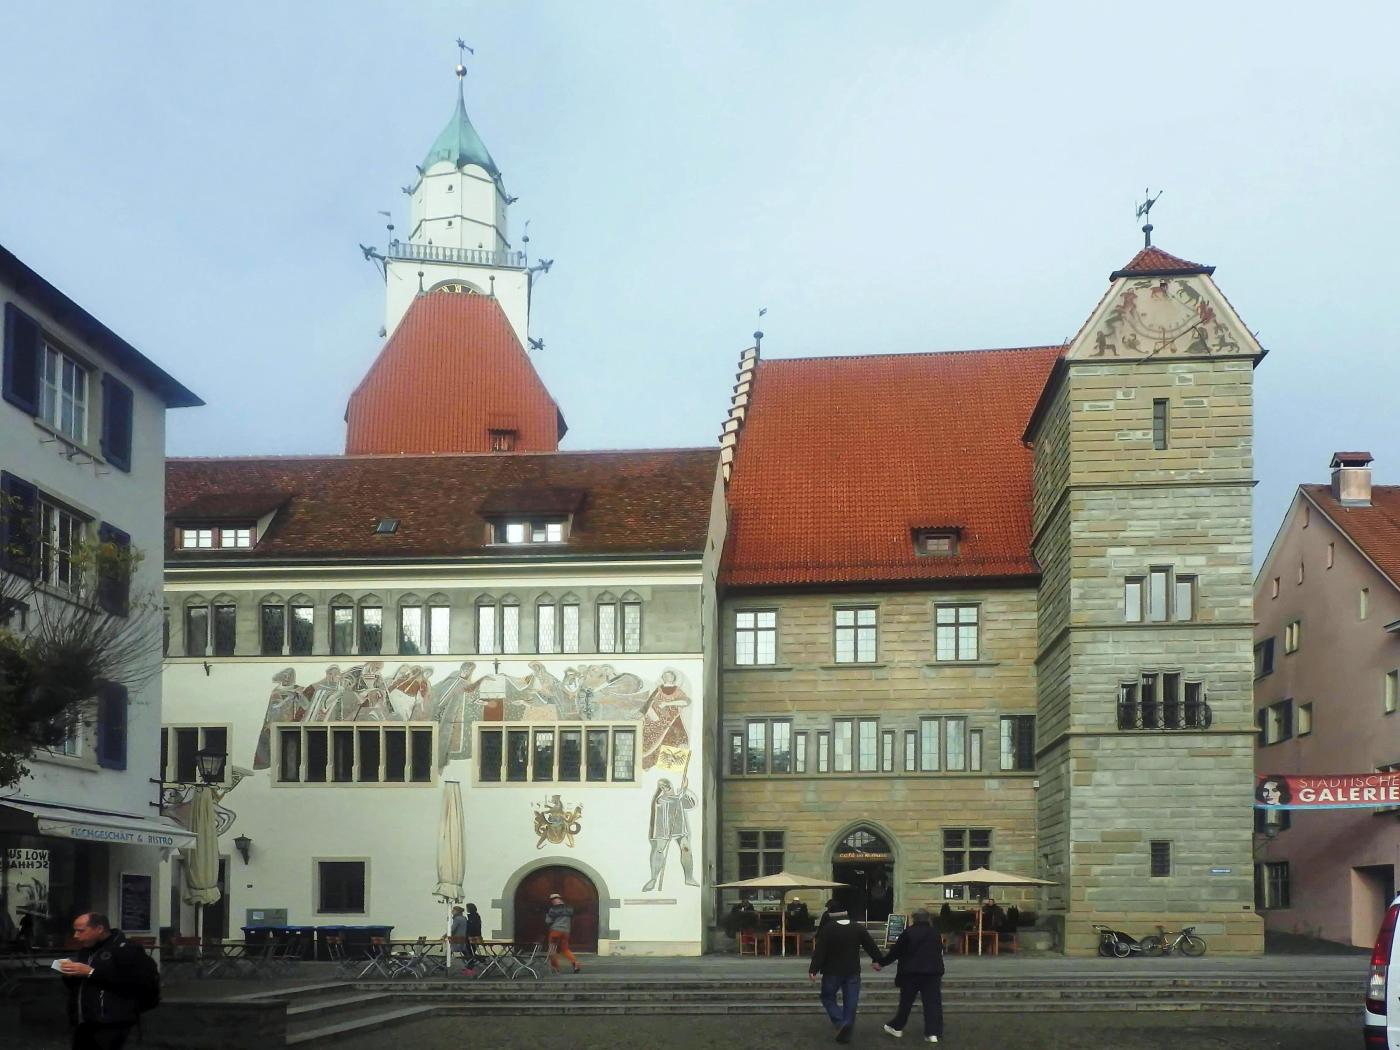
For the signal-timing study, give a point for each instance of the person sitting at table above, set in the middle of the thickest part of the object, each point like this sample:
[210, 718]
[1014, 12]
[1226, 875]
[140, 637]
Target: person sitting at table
[993, 918]
[799, 919]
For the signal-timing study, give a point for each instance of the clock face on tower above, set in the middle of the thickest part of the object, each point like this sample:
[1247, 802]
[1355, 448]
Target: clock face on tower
[455, 287]
[1156, 314]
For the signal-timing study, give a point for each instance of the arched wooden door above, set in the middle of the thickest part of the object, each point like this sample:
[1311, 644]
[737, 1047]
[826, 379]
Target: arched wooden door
[532, 901]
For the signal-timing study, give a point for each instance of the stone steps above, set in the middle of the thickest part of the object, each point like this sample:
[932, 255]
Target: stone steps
[323, 1014]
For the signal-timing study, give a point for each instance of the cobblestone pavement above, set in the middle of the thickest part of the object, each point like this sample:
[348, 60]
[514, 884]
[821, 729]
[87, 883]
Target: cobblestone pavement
[1149, 1031]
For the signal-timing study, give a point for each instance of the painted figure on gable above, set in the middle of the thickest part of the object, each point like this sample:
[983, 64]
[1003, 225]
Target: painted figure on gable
[286, 704]
[670, 823]
[661, 719]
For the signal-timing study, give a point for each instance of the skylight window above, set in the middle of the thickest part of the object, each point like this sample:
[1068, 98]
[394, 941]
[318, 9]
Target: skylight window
[386, 526]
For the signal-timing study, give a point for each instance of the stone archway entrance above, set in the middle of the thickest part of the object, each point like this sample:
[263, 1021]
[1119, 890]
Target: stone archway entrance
[864, 861]
[578, 891]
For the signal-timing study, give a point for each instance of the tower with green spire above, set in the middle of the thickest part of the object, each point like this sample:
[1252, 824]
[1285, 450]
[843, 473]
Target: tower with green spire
[457, 233]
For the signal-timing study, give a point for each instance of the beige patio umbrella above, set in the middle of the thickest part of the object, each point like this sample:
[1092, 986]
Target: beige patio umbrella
[451, 857]
[784, 881]
[202, 859]
[984, 877]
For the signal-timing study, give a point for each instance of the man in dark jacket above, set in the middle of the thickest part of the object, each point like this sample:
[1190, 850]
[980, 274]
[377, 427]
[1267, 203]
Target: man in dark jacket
[837, 958]
[919, 952]
[106, 978]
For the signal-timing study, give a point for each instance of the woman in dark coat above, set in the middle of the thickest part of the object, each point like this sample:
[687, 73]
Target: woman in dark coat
[919, 952]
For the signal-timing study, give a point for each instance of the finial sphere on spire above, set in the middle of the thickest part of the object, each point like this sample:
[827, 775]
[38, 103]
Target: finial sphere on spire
[461, 70]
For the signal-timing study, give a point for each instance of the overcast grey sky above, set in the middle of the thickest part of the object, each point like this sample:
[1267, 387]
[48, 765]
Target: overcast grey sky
[884, 177]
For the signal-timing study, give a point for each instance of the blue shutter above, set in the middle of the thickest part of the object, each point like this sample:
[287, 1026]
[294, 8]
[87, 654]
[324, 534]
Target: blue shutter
[21, 383]
[111, 726]
[116, 422]
[114, 589]
[19, 526]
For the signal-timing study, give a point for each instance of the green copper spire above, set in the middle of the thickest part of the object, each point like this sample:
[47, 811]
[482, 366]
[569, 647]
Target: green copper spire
[459, 144]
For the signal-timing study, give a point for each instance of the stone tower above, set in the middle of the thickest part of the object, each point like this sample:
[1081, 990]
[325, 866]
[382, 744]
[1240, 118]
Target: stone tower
[1143, 481]
[458, 239]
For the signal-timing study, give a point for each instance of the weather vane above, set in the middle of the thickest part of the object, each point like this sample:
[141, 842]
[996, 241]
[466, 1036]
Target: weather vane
[462, 52]
[1144, 211]
[758, 335]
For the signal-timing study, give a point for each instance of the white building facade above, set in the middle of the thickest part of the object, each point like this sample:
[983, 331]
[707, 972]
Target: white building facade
[82, 463]
[452, 678]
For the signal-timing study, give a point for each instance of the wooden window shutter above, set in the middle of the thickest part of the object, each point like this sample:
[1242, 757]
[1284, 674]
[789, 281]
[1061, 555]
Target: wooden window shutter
[19, 526]
[116, 422]
[113, 579]
[21, 373]
[111, 726]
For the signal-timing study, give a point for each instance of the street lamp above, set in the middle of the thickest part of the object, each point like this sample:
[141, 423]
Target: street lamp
[243, 844]
[211, 765]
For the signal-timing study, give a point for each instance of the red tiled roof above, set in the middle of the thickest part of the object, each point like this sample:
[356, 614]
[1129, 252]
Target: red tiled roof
[841, 458]
[1153, 262]
[1375, 529]
[452, 371]
[652, 501]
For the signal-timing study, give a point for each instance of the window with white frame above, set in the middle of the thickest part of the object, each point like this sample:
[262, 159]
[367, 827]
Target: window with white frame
[1292, 636]
[64, 394]
[856, 635]
[559, 752]
[61, 537]
[530, 530]
[208, 537]
[355, 753]
[956, 632]
[1391, 694]
[1160, 596]
[755, 637]
[179, 752]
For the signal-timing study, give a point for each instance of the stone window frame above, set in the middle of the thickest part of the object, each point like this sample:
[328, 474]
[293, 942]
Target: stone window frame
[758, 631]
[956, 625]
[1159, 859]
[856, 629]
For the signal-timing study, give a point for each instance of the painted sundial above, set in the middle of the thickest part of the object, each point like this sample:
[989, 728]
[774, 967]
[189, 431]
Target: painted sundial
[1162, 314]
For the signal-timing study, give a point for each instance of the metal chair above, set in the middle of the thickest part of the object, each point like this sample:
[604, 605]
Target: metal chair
[531, 963]
[378, 959]
[335, 951]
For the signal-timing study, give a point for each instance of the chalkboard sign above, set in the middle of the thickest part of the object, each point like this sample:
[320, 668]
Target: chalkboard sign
[894, 926]
[135, 902]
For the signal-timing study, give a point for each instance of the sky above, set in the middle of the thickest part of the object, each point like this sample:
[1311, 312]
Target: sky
[882, 177]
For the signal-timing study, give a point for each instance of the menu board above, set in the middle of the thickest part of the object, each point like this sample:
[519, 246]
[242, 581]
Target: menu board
[135, 903]
[894, 926]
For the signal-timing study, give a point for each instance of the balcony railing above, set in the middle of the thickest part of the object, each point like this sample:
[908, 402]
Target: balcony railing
[1191, 714]
[441, 253]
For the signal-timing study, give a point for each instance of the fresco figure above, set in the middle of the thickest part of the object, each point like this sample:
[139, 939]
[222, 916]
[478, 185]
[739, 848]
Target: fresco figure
[661, 719]
[326, 698]
[366, 683]
[286, 704]
[669, 823]
[456, 705]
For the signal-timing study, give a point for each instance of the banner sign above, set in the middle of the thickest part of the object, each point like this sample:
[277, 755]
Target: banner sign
[1334, 791]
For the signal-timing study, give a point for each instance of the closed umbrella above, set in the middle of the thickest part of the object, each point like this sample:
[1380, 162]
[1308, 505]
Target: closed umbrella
[784, 881]
[202, 859]
[984, 877]
[451, 855]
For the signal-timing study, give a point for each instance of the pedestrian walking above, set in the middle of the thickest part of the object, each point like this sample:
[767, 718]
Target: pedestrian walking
[110, 983]
[836, 958]
[560, 921]
[919, 952]
[460, 937]
[473, 937]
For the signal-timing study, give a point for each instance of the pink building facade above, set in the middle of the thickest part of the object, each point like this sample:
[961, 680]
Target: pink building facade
[1326, 690]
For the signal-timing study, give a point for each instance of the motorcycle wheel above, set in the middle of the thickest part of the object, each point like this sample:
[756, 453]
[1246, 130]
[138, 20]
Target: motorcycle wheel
[1122, 949]
[1151, 945]
[1105, 948]
[1193, 946]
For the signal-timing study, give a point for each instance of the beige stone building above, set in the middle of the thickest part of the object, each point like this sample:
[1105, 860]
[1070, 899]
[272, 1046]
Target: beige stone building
[993, 608]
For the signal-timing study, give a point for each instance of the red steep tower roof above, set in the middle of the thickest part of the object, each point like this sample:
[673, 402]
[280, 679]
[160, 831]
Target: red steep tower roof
[452, 372]
[1153, 262]
[841, 459]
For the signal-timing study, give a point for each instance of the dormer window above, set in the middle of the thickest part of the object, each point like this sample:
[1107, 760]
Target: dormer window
[936, 543]
[210, 537]
[530, 530]
[502, 440]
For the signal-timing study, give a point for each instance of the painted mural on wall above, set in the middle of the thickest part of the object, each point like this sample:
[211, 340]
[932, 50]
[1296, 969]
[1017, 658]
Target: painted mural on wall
[177, 801]
[582, 693]
[556, 824]
[670, 822]
[1162, 315]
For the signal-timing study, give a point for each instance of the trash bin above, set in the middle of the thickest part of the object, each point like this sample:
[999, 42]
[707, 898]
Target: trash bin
[305, 936]
[257, 936]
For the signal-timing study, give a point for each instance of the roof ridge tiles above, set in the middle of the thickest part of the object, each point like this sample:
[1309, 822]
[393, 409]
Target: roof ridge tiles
[919, 353]
[274, 457]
